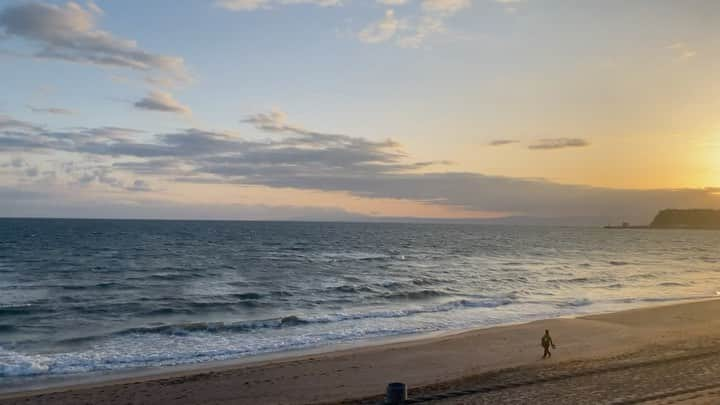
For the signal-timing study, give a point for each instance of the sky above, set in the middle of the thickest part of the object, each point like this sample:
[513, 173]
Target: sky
[357, 109]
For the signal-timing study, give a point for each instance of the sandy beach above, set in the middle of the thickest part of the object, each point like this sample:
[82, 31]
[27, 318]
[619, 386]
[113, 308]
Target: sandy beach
[650, 355]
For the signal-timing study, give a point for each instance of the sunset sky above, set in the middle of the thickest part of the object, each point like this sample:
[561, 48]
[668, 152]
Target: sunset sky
[339, 109]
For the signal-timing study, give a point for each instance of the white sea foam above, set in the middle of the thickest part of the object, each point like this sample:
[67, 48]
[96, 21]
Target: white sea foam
[19, 364]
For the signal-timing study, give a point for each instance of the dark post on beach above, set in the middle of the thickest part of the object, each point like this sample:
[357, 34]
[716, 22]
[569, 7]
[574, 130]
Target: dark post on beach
[396, 393]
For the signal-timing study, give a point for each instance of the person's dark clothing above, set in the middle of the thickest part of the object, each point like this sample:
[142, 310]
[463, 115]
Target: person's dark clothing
[546, 343]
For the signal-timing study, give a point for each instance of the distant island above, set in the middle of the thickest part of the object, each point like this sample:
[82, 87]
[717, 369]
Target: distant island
[680, 219]
[689, 219]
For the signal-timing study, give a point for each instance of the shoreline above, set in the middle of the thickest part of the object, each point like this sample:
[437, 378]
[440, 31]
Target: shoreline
[123, 376]
[440, 357]
[59, 382]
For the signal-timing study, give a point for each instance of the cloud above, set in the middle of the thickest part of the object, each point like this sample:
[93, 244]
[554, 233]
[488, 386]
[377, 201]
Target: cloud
[242, 5]
[381, 30]
[32, 171]
[559, 143]
[447, 7]
[16, 202]
[162, 101]
[477, 192]
[501, 142]
[100, 175]
[299, 158]
[510, 5]
[215, 149]
[321, 3]
[251, 5]
[426, 26]
[92, 6]
[428, 19]
[139, 185]
[276, 121]
[69, 33]
[393, 2]
[13, 196]
[110, 133]
[412, 32]
[156, 166]
[682, 50]
[16, 163]
[10, 123]
[20, 168]
[51, 110]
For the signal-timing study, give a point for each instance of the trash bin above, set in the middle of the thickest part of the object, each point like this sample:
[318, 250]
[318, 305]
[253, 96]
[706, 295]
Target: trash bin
[396, 393]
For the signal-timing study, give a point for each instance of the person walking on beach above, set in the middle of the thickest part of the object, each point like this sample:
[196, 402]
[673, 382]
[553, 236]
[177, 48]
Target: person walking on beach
[546, 342]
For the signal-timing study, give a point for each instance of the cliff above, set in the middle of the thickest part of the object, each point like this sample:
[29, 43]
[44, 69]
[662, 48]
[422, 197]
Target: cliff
[691, 219]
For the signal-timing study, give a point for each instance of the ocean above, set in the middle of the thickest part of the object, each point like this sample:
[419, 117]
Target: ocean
[88, 297]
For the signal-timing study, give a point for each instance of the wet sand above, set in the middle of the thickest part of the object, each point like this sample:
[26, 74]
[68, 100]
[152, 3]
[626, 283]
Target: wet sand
[650, 354]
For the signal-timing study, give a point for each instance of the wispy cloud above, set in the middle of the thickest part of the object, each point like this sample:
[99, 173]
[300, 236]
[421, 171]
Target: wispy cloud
[682, 50]
[559, 143]
[421, 30]
[162, 101]
[51, 110]
[251, 5]
[510, 5]
[276, 121]
[393, 2]
[242, 5]
[414, 30]
[501, 142]
[9, 123]
[139, 185]
[381, 30]
[409, 31]
[69, 33]
[447, 7]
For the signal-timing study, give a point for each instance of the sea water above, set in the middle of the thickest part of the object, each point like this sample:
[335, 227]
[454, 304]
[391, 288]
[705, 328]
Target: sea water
[82, 297]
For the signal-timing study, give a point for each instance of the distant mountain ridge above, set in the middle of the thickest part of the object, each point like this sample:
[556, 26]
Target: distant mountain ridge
[687, 219]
